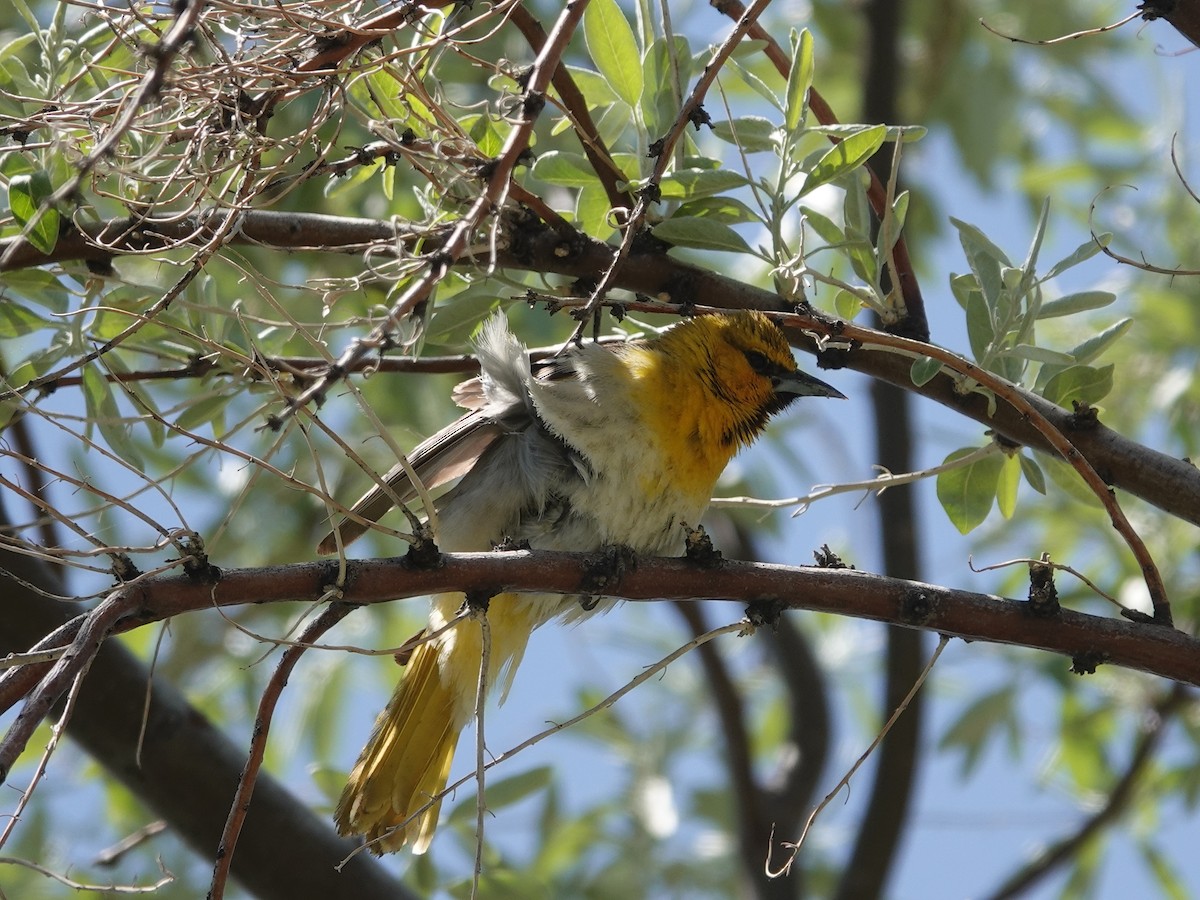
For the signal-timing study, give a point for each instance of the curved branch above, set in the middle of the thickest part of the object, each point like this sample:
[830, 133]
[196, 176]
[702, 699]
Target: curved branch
[1171, 484]
[1069, 847]
[331, 615]
[1089, 640]
[809, 729]
[1184, 15]
[581, 117]
[188, 767]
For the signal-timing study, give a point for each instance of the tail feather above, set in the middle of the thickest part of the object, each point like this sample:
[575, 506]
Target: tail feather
[406, 761]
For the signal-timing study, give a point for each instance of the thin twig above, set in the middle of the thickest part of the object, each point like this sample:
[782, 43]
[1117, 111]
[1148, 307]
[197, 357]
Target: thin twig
[875, 486]
[167, 878]
[1062, 39]
[795, 846]
[490, 199]
[1046, 561]
[663, 150]
[333, 614]
[917, 323]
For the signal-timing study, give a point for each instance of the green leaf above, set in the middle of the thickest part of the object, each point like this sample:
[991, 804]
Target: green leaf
[1083, 384]
[203, 411]
[39, 287]
[1097, 344]
[457, 317]
[1074, 303]
[1040, 354]
[977, 724]
[666, 68]
[979, 325]
[967, 492]
[1171, 886]
[594, 87]
[565, 169]
[800, 78]
[482, 130]
[1039, 234]
[844, 157]
[102, 411]
[985, 259]
[17, 320]
[613, 48]
[755, 83]
[899, 215]
[924, 369]
[729, 210]
[975, 241]
[905, 133]
[1066, 478]
[591, 211]
[506, 792]
[688, 184]
[28, 15]
[704, 234]
[1082, 253]
[847, 305]
[26, 194]
[826, 229]
[962, 286]
[384, 92]
[753, 134]
[1033, 473]
[1007, 485]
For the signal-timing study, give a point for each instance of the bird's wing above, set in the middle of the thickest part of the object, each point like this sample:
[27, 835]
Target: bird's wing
[515, 472]
[447, 455]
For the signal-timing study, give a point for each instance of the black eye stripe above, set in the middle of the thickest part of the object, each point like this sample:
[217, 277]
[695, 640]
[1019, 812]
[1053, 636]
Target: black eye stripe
[759, 363]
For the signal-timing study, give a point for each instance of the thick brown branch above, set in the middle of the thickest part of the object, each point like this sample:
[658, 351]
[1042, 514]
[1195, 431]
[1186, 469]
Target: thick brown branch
[1087, 639]
[1183, 14]
[1172, 485]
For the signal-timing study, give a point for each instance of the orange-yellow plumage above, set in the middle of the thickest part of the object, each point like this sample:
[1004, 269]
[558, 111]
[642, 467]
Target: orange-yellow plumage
[603, 447]
[406, 762]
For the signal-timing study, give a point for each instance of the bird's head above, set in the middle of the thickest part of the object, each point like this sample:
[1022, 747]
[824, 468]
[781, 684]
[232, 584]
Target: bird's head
[743, 362]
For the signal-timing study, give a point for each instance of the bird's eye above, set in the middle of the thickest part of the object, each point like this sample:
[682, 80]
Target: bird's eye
[758, 362]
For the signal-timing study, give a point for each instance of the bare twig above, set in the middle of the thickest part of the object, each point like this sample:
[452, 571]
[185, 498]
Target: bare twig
[489, 200]
[73, 884]
[1064, 38]
[333, 614]
[845, 780]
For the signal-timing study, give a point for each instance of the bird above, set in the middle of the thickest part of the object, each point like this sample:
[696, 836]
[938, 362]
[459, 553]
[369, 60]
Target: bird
[604, 446]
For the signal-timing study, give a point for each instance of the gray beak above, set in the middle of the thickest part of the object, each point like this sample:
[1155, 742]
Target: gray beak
[801, 384]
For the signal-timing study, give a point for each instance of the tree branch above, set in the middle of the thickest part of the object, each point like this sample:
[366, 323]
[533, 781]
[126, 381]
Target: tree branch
[189, 769]
[1089, 640]
[1068, 848]
[754, 828]
[893, 782]
[1172, 485]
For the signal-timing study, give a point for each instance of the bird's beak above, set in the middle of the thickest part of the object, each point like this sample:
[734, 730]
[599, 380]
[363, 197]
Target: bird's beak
[801, 384]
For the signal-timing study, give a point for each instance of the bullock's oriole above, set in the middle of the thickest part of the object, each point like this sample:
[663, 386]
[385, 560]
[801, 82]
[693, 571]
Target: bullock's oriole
[603, 446]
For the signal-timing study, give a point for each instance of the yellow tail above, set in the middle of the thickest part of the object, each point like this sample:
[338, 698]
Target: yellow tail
[406, 761]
